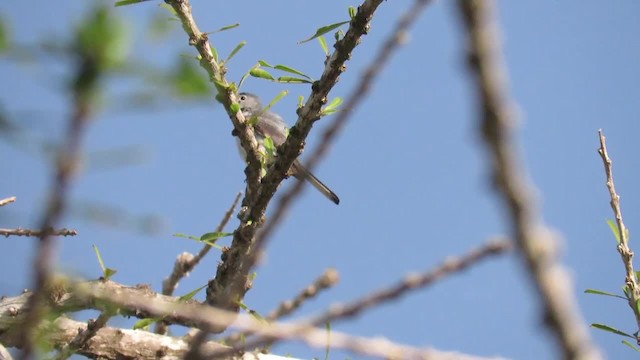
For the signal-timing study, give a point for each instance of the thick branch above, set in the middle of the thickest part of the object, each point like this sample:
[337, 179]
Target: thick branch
[536, 245]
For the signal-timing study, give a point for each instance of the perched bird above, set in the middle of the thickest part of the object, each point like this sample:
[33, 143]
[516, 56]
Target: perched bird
[271, 125]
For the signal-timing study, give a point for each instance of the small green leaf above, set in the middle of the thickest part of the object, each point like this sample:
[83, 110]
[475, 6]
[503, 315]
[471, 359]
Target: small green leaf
[338, 35]
[261, 73]
[214, 53]
[630, 345]
[264, 63]
[107, 273]
[235, 107]
[235, 50]
[291, 70]
[327, 327]
[323, 45]
[300, 101]
[275, 100]
[331, 107]
[637, 306]
[614, 229]
[128, 2]
[612, 330]
[190, 237]
[292, 80]
[212, 237]
[352, 12]
[168, 8]
[323, 30]
[191, 294]
[225, 28]
[144, 323]
[102, 267]
[598, 292]
[269, 147]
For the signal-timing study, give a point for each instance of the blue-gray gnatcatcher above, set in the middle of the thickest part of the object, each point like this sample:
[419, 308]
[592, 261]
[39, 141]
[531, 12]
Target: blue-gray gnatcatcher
[271, 125]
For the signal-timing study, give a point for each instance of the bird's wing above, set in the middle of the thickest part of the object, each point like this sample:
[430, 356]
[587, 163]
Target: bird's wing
[273, 126]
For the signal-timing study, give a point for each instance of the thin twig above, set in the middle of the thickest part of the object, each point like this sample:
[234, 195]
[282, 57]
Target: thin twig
[536, 244]
[80, 341]
[8, 200]
[87, 76]
[412, 282]
[626, 255]
[38, 233]
[287, 307]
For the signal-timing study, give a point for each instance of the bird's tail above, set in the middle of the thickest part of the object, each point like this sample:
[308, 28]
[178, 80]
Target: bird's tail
[324, 189]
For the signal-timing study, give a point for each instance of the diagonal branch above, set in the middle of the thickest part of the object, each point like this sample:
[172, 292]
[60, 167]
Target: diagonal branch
[535, 243]
[632, 289]
[231, 281]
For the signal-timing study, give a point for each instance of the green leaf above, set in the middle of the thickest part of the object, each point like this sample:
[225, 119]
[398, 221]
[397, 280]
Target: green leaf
[264, 63]
[225, 28]
[598, 292]
[614, 229]
[612, 330]
[323, 30]
[235, 50]
[144, 323]
[261, 73]
[107, 273]
[214, 53]
[168, 8]
[191, 294]
[188, 80]
[352, 12]
[235, 107]
[95, 249]
[4, 36]
[211, 237]
[291, 70]
[630, 345]
[128, 2]
[331, 107]
[323, 45]
[269, 147]
[338, 35]
[190, 237]
[275, 100]
[292, 80]
[327, 326]
[300, 101]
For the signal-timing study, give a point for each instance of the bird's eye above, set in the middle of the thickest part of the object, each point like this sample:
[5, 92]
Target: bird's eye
[243, 98]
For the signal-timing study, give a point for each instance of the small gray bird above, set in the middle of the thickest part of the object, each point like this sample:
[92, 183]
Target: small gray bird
[271, 125]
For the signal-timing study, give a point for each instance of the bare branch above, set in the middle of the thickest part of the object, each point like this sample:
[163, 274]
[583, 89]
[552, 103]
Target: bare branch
[37, 233]
[631, 283]
[8, 200]
[84, 335]
[536, 244]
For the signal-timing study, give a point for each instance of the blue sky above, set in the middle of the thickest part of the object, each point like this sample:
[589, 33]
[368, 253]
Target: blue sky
[409, 167]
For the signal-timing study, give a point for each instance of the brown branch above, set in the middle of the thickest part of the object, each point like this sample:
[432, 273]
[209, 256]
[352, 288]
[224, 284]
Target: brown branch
[535, 243]
[357, 95]
[413, 282]
[38, 233]
[8, 200]
[186, 262]
[626, 255]
[287, 307]
[232, 282]
[84, 335]
[85, 84]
